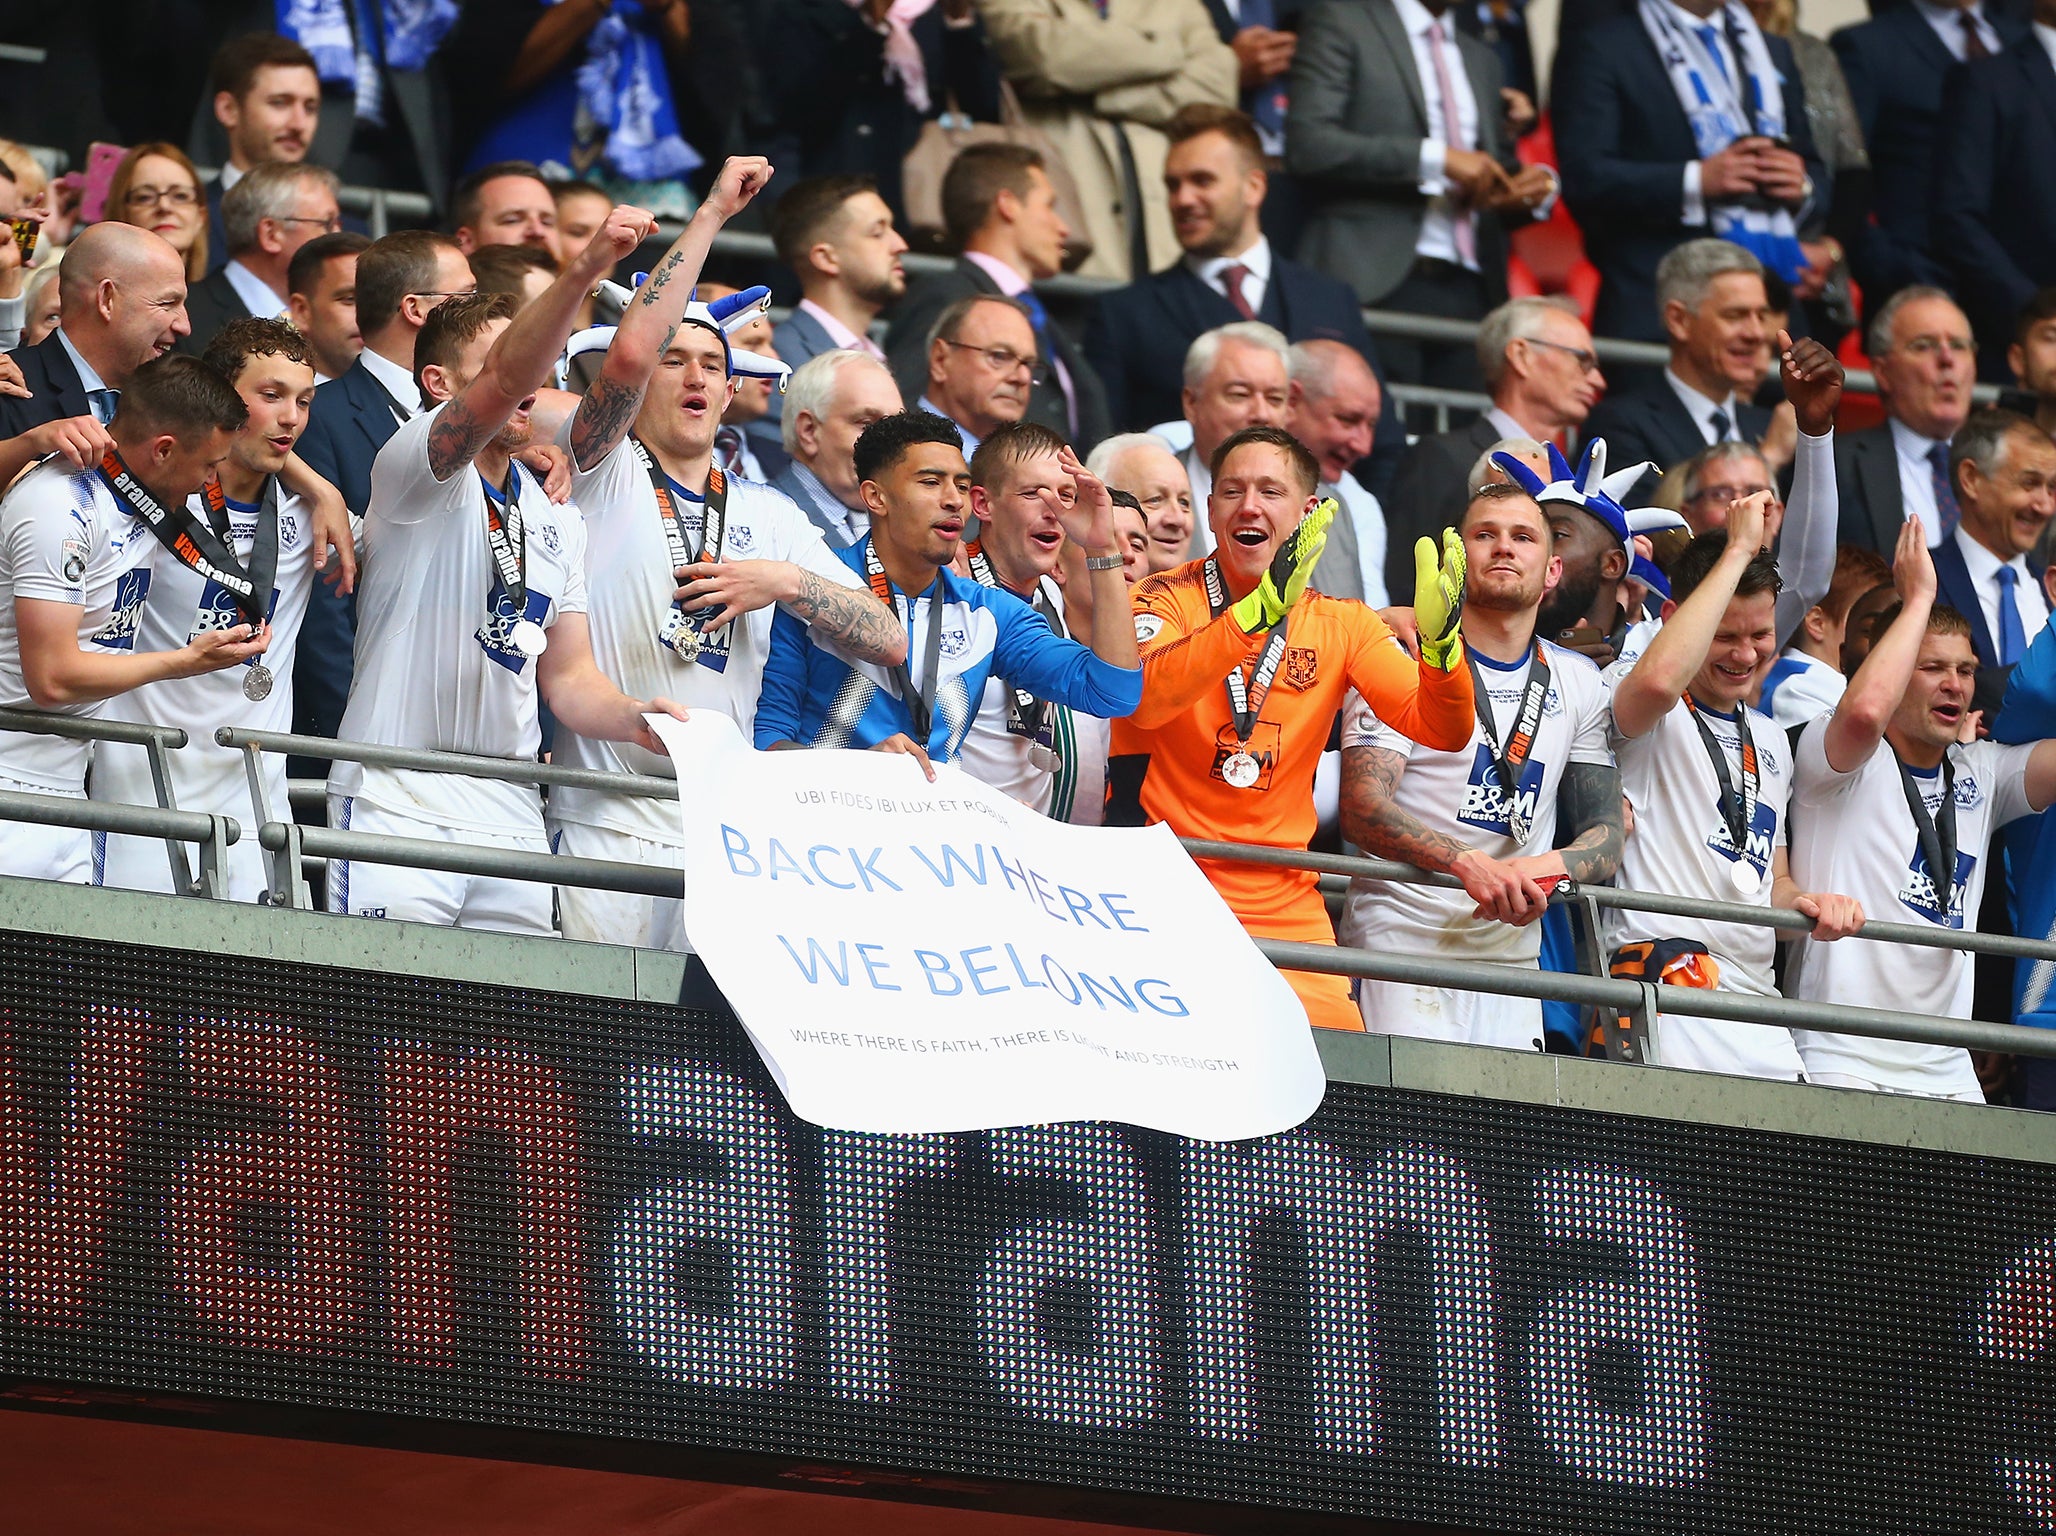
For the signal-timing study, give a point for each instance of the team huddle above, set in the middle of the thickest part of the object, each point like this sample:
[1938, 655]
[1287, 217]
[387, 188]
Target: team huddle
[526, 551]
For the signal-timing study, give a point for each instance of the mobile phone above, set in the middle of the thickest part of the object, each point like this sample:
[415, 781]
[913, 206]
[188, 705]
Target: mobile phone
[101, 161]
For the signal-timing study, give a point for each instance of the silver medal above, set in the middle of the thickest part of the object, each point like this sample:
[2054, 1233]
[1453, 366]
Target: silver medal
[1045, 758]
[687, 641]
[1743, 876]
[1241, 770]
[530, 638]
[257, 680]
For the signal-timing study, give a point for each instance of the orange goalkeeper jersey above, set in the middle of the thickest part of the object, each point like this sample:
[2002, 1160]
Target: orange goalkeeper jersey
[1166, 759]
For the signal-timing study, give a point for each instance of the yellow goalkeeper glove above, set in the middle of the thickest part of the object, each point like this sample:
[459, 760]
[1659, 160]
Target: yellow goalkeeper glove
[1292, 567]
[1438, 599]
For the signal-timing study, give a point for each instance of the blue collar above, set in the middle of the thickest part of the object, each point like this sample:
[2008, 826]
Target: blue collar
[1503, 666]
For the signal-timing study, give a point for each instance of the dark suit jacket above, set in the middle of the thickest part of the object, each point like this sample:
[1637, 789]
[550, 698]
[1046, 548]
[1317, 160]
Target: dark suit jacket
[1895, 66]
[1954, 587]
[1138, 337]
[1867, 480]
[1353, 138]
[351, 419]
[1652, 423]
[1995, 187]
[906, 347]
[53, 384]
[1623, 143]
[1429, 491]
[800, 337]
[785, 480]
[210, 304]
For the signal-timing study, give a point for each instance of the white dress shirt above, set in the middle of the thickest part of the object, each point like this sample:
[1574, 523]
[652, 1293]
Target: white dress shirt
[1702, 410]
[964, 432]
[1506, 426]
[1947, 20]
[89, 376]
[1257, 259]
[2047, 36]
[396, 381]
[1983, 567]
[1438, 226]
[254, 291]
[1917, 477]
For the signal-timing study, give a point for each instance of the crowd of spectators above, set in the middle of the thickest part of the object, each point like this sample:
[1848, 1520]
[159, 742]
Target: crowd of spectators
[1216, 429]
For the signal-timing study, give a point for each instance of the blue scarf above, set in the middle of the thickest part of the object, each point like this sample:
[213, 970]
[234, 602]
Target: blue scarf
[624, 99]
[404, 32]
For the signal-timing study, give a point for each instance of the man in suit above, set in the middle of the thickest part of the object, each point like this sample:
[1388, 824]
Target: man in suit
[400, 281]
[2032, 357]
[1236, 376]
[1925, 360]
[1138, 336]
[1638, 180]
[505, 203]
[1396, 130]
[835, 234]
[124, 302]
[268, 215]
[982, 366]
[321, 284]
[2003, 468]
[1995, 183]
[828, 403]
[1538, 363]
[1264, 36]
[1001, 212]
[1332, 408]
[1895, 64]
[1716, 317]
[738, 449]
[267, 99]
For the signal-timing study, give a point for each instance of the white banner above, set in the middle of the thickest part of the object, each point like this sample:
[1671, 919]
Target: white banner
[916, 957]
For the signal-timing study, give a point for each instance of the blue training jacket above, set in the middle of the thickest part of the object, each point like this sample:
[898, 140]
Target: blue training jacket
[2029, 714]
[815, 695]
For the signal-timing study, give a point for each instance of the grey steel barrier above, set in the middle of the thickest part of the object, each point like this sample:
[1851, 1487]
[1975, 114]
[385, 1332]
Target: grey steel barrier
[286, 844]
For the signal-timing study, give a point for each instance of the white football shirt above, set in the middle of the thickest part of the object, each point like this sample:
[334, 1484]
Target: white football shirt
[1854, 833]
[1459, 795]
[65, 537]
[181, 605]
[630, 596]
[992, 754]
[436, 664]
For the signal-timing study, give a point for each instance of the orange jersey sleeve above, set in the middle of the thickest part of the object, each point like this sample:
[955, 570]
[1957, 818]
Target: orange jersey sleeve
[1433, 707]
[1186, 650]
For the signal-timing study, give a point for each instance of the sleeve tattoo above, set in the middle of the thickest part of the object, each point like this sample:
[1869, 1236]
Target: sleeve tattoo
[1589, 799]
[456, 438]
[853, 619]
[603, 419]
[1371, 820]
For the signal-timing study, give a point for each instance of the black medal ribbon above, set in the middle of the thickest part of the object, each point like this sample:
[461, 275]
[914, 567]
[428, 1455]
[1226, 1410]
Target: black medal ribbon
[920, 701]
[677, 549]
[507, 538]
[1937, 833]
[1026, 714]
[1246, 699]
[204, 546]
[1507, 764]
[1738, 811]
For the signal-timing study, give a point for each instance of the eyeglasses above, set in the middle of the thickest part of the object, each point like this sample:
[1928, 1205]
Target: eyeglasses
[1006, 360]
[1587, 359]
[329, 225]
[443, 293]
[178, 197]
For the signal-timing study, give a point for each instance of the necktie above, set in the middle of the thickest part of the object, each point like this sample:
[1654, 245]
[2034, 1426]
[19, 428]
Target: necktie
[1945, 493]
[2012, 638]
[1710, 35]
[728, 448]
[1452, 136]
[1720, 424]
[1038, 317]
[101, 402]
[1973, 40]
[1233, 276]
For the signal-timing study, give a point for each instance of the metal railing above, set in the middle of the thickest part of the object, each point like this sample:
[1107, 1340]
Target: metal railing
[286, 845]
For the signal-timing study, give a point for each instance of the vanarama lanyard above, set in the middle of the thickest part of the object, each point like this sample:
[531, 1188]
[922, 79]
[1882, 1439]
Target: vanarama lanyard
[1246, 699]
[713, 530]
[506, 537]
[1026, 714]
[207, 547]
[1738, 812]
[1937, 833]
[920, 702]
[1509, 762]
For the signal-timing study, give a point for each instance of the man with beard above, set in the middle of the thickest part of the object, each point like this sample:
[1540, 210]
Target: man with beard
[1537, 766]
[836, 234]
[473, 610]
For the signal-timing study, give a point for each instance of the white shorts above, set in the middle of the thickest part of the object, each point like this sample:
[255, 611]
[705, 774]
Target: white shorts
[1721, 1045]
[364, 889]
[1971, 1095]
[618, 917]
[1443, 1013]
[37, 852]
[140, 863]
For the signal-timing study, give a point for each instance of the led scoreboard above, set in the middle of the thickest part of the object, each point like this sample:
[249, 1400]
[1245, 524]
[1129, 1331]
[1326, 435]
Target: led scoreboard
[319, 1195]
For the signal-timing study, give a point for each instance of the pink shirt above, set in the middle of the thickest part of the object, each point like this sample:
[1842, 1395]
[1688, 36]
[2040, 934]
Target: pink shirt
[841, 334]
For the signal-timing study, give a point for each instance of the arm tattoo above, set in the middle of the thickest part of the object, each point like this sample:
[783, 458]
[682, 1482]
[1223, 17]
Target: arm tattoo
[852, 618]
[1375, 824]
[654, 284]
[1589, 799]
[456, 438]
[603, 419]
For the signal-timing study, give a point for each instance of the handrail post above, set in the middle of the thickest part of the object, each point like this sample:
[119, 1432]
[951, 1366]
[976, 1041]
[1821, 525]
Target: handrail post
[285, 885]
[182, 877]
[213, 881]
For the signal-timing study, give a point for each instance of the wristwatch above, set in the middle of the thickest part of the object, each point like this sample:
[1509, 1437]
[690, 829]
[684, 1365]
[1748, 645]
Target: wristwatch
[1104, 562]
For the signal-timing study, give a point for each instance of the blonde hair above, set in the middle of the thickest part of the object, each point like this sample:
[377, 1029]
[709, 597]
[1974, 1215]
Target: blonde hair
[124, 178]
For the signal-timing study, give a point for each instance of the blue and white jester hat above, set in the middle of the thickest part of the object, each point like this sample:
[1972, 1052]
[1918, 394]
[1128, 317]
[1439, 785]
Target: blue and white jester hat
[1592, 489]
[730, 312]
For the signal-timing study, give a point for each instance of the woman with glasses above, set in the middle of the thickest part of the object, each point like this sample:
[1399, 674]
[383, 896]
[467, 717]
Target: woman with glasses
[156, 188]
